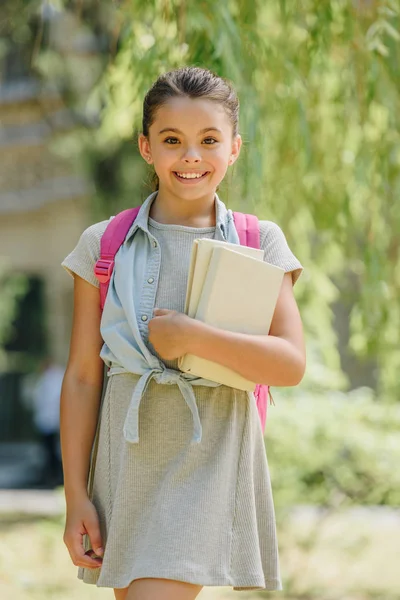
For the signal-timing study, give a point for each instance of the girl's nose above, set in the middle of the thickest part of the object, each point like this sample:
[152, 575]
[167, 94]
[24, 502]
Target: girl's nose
[191, 156]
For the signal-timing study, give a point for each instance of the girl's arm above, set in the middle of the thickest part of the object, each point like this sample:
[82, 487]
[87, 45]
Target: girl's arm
[79, 407]
[276, 359]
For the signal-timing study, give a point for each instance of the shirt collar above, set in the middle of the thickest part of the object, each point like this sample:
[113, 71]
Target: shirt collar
[223, 218]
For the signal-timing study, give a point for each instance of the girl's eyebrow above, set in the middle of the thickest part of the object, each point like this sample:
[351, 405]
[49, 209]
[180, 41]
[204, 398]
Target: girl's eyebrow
[178, 131]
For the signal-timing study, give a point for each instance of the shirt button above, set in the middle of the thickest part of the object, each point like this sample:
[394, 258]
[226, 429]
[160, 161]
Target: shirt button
[144, 317]
[151, 280]
[155, 244]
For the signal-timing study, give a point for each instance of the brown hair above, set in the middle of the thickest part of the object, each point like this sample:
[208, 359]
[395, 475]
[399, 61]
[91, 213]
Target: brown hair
[190, 82]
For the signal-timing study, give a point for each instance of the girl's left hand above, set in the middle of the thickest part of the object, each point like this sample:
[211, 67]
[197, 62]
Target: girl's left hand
[169, 333]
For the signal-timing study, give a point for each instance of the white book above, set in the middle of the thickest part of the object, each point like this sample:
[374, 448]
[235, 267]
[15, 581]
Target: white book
[239, 294]
[199, 262]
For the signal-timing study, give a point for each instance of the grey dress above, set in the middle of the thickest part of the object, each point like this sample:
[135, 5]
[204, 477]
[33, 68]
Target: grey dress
[200, 513]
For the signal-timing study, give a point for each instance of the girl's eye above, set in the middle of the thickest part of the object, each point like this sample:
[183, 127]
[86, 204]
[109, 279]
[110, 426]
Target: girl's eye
[172, 141]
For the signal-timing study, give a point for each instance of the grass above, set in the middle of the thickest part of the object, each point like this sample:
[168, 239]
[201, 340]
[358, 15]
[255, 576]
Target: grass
[343, 556]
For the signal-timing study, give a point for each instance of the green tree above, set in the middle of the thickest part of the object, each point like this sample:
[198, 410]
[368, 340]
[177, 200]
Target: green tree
[318, 84]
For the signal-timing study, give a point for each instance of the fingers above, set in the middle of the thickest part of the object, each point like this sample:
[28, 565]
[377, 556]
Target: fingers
[159, 312]
[93, 531]
[73, 539]
[74, 543]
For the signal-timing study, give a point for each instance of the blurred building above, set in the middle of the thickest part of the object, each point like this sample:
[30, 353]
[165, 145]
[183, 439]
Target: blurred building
[42, 203]
[43, 210]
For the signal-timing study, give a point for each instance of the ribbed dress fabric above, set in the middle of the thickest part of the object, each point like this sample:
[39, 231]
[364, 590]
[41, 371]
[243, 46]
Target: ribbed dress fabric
[198, 513]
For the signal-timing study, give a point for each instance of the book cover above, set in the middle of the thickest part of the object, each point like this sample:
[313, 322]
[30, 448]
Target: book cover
[199, 262]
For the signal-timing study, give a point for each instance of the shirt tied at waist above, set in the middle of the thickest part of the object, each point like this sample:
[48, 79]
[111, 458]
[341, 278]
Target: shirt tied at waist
[163, 376]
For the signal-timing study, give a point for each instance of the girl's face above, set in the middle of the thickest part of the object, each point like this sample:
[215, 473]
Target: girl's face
[191, 146]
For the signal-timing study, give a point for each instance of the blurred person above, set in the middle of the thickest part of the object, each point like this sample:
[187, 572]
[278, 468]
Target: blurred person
[189, 503]
[46, 416]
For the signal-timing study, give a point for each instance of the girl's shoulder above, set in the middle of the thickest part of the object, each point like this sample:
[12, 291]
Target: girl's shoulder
[92, 235]
[271, 235]
[86, 253]
[276, 249]
[269, 229]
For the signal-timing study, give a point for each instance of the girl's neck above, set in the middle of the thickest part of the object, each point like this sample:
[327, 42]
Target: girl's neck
[191, 213]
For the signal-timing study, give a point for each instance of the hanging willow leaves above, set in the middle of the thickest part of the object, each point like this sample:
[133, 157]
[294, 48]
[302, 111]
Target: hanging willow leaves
[319, 89]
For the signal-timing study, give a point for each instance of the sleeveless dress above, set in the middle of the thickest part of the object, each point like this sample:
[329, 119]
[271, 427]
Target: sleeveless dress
[201, 513]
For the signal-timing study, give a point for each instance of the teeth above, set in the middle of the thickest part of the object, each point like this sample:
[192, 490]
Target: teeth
[190, 175]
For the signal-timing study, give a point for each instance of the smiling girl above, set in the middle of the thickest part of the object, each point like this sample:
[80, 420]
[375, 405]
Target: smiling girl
[187, 503]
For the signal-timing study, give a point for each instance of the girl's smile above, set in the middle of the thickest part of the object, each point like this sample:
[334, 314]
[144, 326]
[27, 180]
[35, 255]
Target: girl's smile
[191, 177]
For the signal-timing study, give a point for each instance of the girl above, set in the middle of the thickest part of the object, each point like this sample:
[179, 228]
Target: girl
[166, 513]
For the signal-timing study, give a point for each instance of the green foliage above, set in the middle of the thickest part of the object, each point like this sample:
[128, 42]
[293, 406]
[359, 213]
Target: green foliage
[318, 84]
[334, 449]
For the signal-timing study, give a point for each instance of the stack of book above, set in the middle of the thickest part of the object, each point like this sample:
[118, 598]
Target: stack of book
[229, 287]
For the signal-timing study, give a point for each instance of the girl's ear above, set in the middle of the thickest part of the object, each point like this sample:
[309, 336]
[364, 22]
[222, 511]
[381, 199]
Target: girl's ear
[236, 145]
[144, 148]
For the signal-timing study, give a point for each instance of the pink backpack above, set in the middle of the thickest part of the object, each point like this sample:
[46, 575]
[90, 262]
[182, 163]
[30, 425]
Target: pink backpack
[113, 237]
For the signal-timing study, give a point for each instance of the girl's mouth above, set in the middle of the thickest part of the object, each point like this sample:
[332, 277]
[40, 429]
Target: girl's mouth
[190, 177]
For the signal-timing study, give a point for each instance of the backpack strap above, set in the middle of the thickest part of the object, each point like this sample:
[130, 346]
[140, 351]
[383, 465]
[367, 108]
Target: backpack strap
[248, 229]
[111, 240]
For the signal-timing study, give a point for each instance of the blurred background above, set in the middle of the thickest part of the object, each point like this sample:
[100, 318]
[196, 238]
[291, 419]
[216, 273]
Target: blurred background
[318, 83]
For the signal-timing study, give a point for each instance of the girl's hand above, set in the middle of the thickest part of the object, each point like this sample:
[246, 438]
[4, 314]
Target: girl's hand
[81, 519]
[169, 333]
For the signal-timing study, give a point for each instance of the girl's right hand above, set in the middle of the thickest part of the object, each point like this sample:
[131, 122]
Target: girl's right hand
[82, 518]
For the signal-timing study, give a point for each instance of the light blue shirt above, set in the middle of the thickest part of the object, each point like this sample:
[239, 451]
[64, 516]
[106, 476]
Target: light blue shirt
[129, 307]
